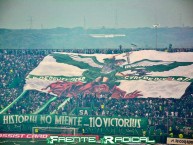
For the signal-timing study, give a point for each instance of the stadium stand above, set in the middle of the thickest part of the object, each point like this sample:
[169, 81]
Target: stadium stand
[161, 113]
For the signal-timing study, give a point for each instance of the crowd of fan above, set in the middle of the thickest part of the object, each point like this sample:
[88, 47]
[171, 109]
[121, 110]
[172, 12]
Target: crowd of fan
[31, 102]
[16, 64]
[56, 106]
[86, 51]
[161, 113]
[138, 107]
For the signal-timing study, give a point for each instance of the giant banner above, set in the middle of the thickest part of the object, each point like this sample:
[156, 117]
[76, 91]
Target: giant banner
[146, 73]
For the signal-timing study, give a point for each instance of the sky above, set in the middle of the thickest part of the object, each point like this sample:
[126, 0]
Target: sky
[37, 14]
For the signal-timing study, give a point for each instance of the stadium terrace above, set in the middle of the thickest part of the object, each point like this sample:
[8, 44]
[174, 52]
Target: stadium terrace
[106, 92]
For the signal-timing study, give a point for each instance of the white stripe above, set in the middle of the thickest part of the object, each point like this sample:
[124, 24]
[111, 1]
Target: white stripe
[50, 67]
[165, 89]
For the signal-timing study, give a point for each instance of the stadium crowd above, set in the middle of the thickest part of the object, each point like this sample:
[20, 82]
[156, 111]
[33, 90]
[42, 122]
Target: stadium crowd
[138, 107]
[161, 113]
[30, 103]
[16, 64]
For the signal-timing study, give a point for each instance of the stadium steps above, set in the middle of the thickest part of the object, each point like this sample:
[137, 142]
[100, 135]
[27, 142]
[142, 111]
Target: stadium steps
[10, 105]
[61, 106]
[45, 105]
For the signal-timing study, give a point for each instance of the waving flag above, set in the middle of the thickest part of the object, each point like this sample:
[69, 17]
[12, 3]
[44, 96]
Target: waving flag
[148, 73]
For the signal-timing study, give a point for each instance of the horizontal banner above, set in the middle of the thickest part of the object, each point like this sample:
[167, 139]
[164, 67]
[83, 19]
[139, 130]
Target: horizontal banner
[126, 75]
[75, 121]
[179, 141]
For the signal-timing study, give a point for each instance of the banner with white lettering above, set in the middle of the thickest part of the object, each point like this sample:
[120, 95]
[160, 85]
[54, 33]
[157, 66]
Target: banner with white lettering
[75, 121]
[90, 124]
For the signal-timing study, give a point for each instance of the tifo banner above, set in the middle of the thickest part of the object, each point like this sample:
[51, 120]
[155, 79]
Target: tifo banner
[179, 141]
[146, 73]
[75, 121]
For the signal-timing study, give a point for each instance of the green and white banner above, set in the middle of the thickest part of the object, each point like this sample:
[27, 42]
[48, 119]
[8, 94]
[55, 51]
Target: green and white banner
[75, 121]
[146, 73]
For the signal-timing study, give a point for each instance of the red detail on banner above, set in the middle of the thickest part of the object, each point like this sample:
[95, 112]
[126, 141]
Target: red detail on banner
[71, 89]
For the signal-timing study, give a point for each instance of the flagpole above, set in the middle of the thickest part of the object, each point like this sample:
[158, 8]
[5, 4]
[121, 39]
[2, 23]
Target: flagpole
[156, 26]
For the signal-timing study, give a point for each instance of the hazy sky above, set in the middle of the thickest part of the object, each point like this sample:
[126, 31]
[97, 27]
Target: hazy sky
[38, 14]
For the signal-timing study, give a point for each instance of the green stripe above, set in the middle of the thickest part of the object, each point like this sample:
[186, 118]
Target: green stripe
[93, 58]
[10, 105]
[61, 105]
[45, 105]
